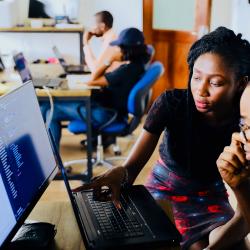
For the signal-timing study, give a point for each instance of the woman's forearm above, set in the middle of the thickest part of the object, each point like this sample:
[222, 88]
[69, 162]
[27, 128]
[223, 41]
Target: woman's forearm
[101, 82]
[99, 71]
[140, 154]
[242, 195]
[229, 234]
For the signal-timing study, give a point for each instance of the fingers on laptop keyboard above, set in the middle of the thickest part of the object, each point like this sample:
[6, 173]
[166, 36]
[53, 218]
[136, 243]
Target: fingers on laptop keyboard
[84, 187]
[116, 197]
[101, 194]
[94, 184]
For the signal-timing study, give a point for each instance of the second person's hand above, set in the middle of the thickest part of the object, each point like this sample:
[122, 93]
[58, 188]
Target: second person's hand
[232, 163]
[112, 179]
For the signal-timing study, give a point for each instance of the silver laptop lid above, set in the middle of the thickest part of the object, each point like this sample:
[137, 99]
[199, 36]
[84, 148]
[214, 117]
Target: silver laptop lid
[59, 57]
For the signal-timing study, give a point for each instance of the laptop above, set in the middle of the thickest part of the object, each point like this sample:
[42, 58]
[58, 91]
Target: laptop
[27, 162]
[141, 223]
[69, 69]
[24, 71]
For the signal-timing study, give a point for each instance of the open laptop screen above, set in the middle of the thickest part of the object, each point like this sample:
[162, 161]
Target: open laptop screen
[22, 67]
[59, 57]
[27, 162]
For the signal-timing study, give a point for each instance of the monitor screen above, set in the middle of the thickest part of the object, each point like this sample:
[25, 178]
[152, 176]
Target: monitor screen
[22, 67]
[59, 56]
[27, 162]
[53, 8]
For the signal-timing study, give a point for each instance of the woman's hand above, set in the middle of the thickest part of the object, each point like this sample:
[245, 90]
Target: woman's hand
[232, 163]
[112, 179]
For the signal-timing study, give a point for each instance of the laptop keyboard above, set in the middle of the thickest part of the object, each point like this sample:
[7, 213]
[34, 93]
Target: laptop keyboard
[116, 223]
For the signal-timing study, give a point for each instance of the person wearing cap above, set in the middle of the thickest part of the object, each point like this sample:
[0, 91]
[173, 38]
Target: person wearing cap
[116, 85]
[234, 162]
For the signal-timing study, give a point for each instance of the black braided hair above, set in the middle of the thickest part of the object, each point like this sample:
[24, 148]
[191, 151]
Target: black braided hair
[236, 54]
[224, 42]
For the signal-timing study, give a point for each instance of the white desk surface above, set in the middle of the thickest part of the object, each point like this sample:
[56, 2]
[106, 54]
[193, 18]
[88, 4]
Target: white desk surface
[10, 79]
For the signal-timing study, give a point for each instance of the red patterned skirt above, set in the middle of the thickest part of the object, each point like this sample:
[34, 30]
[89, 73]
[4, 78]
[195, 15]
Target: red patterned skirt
[197, 208]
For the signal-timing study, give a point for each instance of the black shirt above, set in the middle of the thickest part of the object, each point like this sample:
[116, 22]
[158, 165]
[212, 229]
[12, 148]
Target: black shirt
[120, 83]
[189, 153]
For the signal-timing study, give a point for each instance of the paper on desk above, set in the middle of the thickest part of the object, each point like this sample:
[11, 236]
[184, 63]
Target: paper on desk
[79, 82]
[69, 25]
[7, 87]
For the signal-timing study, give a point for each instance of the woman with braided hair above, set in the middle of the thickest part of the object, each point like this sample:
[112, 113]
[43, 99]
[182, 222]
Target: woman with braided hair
[198, 123]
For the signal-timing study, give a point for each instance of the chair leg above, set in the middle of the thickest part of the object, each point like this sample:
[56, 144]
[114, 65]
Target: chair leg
[116, 158]
[80, 161]
[99, 161]
[116, 149]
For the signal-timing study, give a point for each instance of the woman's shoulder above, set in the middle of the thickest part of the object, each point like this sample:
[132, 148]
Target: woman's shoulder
[173, 97]
[171, 102]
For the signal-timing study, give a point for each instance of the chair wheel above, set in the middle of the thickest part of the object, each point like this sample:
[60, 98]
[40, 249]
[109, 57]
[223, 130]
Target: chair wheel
[68, 169]
[118, 153]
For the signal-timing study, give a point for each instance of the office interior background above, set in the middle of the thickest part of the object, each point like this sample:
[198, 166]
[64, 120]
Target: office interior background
[171, 26]
[161, 20]
[157, 18]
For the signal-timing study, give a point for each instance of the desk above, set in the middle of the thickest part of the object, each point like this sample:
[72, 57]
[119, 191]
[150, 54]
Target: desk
[60, 94]
[54, 207]
[75, 95]
[50, 30]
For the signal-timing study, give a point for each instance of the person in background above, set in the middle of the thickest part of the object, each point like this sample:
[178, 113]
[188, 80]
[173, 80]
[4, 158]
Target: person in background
[102, 29]
[115, 85]
[198, 123]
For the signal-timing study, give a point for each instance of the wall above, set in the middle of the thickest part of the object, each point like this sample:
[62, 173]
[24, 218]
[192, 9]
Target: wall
[126, 14]
[174, 15]
[221, 14]
[241, 17]
[234, 14]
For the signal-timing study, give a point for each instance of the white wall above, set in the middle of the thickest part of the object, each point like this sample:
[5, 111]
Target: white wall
[221, 14]
[127, 13]
[241, 17]
[234, 14]
[167, 14]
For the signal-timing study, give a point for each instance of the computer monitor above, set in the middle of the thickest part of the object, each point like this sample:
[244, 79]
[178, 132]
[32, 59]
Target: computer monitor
[27, 162]
[53, 9]
[22, 67]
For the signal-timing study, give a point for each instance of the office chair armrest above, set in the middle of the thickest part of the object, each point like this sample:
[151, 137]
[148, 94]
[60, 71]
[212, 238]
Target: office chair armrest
[114, 114]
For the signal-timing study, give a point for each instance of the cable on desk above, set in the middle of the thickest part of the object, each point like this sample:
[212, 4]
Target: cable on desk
[51, 111]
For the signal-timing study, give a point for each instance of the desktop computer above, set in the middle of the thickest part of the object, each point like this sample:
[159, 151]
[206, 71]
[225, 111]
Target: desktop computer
[27, 163]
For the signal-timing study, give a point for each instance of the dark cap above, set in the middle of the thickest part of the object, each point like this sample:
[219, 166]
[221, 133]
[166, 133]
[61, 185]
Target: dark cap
[129, 37]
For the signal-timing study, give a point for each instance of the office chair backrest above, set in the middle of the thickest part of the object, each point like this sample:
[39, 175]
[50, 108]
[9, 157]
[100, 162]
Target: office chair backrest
[139, 95]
